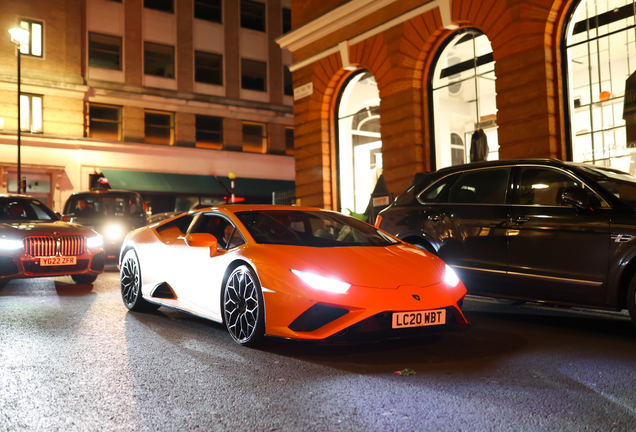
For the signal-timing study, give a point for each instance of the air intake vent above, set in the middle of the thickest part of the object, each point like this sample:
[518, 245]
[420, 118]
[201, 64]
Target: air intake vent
[163, 290]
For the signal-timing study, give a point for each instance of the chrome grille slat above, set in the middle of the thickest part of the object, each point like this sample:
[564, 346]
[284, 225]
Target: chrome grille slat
[48, 246]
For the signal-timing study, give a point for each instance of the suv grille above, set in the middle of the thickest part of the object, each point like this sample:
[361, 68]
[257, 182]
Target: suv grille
[39, 246]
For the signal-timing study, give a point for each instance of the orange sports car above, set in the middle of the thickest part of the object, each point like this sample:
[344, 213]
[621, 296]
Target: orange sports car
[290, 272]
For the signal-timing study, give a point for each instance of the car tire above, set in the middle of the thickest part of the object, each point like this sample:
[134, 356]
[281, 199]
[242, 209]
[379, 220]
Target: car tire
[4, 282]
[631, 300]
[243, 307]
[130, 282]
[84, 279]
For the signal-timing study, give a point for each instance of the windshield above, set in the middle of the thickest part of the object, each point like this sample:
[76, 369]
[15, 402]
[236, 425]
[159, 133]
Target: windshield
[94, 206]
[621, 185]
[311, 228]
[24, 209]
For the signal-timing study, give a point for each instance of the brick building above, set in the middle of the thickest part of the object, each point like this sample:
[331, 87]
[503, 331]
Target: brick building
[401, 86]
[160, 95]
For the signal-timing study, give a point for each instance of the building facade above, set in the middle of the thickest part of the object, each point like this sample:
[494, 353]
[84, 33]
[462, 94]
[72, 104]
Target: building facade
[167, 97]
[397, 87]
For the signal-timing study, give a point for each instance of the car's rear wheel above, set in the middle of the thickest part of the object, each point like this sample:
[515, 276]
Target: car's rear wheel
[130, 280]
[243, 307]
[84, 279]
[631, 300]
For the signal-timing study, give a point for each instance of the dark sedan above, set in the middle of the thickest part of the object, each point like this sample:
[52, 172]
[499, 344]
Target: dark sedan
[535, 229]
[34, 242]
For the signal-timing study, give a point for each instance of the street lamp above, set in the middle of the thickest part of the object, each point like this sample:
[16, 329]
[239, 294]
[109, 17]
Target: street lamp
[19, 36]
[232, 176]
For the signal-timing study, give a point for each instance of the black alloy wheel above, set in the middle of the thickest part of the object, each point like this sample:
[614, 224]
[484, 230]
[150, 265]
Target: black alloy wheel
[243, 307]
[130, 279]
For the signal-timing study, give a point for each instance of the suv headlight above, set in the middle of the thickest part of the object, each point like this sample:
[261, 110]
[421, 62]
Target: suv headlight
[94, 242]
[6, 244]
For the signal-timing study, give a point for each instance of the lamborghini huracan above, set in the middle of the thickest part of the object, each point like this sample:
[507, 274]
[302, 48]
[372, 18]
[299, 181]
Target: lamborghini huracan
[290, 272]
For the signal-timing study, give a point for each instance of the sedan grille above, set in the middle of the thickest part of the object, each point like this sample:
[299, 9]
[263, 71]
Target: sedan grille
[38, 246]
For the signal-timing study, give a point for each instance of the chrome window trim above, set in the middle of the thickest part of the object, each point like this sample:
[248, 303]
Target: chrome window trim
[567, 173]
[461, 173]
[532, 276]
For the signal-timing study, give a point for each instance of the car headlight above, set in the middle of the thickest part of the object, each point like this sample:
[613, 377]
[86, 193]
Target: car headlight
[113, 232]
[6, 244]
[450, 277]
[94, 242]
[322, 283]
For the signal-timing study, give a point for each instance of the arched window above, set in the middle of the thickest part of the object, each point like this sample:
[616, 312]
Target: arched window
[359, 141]
[462, 89]
[600, 43]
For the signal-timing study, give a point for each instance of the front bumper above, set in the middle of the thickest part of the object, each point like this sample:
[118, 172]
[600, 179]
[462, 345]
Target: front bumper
[16, 266]
[362, 313]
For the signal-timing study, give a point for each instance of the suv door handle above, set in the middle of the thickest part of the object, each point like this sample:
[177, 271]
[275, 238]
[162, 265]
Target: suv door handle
[519, 219]
[435, 218]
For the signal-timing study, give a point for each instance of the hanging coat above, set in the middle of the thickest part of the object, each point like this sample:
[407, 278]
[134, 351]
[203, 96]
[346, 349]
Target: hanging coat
[479, 146]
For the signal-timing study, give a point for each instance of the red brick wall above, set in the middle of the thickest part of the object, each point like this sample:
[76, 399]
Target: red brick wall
[525, 37]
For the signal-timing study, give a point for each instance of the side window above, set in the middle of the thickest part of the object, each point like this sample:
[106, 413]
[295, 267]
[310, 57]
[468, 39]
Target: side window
[544, 186]
[217, 226]
[235, 240]
[437, 192]
[486, 186]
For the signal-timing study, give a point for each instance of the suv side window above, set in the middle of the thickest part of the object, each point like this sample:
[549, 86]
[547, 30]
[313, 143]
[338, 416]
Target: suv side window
[438, 192]
[544, 186]
[484, 186]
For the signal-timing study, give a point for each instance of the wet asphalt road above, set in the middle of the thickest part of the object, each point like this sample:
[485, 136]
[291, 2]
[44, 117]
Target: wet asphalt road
[73, 359]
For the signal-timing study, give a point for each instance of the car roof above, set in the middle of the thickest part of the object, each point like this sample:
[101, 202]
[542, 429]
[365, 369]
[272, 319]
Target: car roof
[17, 196]
[104, 192]
[234, 208]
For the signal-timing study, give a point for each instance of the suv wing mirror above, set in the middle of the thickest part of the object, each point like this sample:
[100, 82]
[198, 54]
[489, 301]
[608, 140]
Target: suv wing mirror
[576, 197]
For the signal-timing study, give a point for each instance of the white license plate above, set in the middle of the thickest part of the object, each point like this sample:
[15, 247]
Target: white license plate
[419, 318]
[58, 261]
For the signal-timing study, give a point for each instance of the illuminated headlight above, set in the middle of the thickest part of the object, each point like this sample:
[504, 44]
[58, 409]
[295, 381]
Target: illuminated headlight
[322, 283]
[450, 277]
[10, 244]
[113, 232]
[94, 242]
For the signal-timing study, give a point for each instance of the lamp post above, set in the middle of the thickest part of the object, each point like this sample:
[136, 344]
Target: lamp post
[232, 176]
[19, 36]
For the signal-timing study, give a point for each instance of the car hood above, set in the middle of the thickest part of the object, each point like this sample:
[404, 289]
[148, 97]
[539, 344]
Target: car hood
[41, 227]
[376, 267]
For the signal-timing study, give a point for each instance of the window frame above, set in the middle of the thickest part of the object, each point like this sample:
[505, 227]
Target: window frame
[29, 46]
[243, 76]
[286, 23]
[208, 144]
[206, 68]
[146, 44]
[264, 137]
[251, 5]
[172, 10]
[203, 4]
[119, 53]
[171, 128]
[119, 121]
[289, 151]
[31, 96]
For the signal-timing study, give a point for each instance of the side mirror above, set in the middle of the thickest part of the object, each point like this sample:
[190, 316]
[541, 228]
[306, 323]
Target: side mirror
[201, 240]
[576, 197]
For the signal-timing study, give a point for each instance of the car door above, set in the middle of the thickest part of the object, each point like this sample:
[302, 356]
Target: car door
[556, 251]
[472, 225]
[201, 270]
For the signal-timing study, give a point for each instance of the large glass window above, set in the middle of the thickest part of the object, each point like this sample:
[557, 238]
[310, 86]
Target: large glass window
[464, 100]
[104, 51]
[36, 38]
[601, 55]
[104, 122]
[31, 113]
[289, 141]
[359, 142]
[160, 5]
[158, 60]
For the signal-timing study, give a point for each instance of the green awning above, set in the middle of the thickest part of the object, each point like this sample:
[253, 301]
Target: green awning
[188, 184]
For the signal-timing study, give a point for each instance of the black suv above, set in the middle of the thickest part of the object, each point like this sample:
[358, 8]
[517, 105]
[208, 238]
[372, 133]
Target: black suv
[112, 213]
[533, 229]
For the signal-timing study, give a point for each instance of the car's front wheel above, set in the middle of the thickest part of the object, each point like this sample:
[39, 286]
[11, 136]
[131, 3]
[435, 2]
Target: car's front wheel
[243, 307]
[130, 280]
[84, 279]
